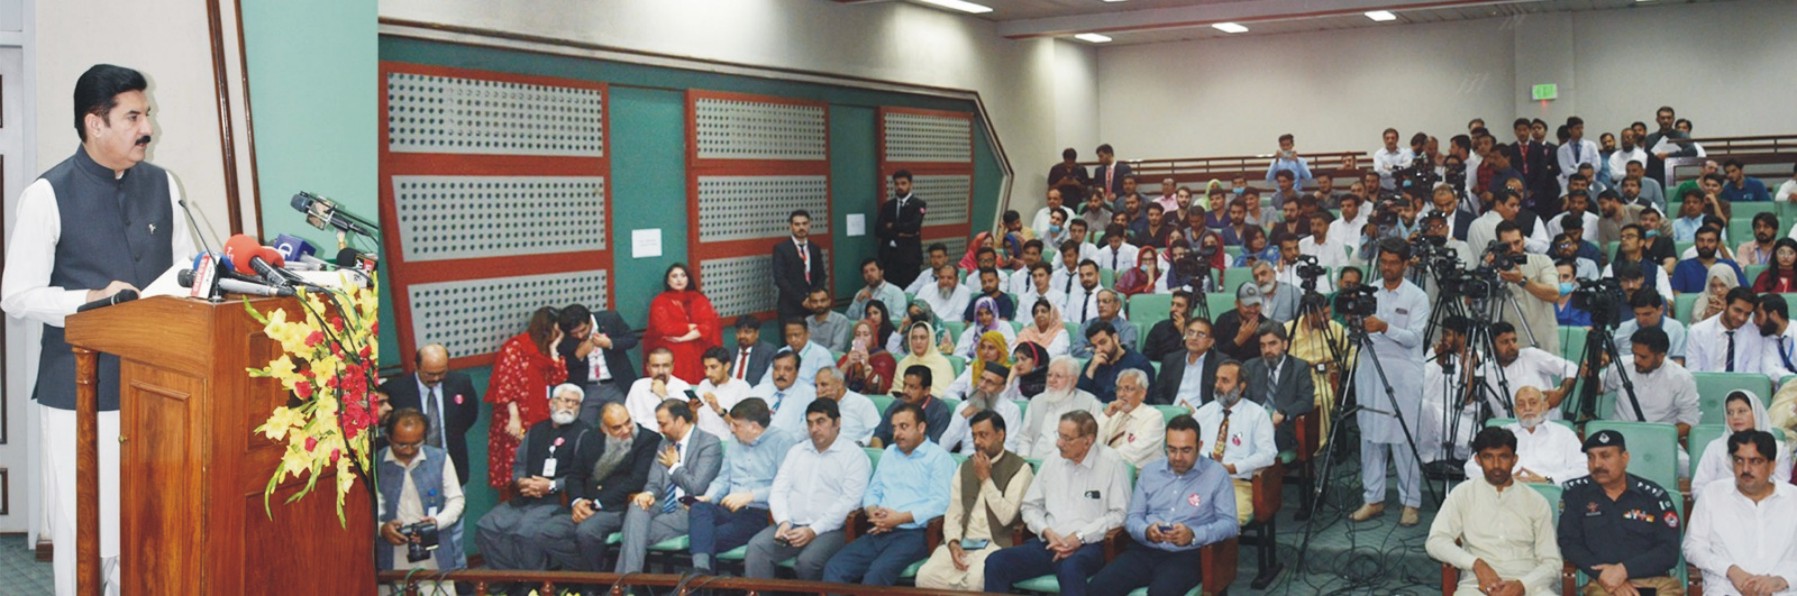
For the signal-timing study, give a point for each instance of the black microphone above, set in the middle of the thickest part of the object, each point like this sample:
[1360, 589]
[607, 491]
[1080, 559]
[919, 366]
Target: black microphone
[321, 212]
[121, 296]
[197, 231]
[235, 286]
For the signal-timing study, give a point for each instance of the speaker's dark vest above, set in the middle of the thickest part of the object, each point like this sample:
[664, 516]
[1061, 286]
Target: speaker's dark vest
[112, 229]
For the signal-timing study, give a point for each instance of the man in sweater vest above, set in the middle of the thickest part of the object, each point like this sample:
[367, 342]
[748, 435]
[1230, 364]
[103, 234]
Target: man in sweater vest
[982, 509]
[417, 483]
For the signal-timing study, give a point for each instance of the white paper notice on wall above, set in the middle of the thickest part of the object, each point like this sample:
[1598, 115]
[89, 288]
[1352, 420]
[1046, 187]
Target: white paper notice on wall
[857, 225]
[645, 243]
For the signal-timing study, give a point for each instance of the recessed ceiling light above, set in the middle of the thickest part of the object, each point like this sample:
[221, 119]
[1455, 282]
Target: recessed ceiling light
[1092, 37]
[1113, 0]
[1230, 28]
[961, 5]
[1382, 16]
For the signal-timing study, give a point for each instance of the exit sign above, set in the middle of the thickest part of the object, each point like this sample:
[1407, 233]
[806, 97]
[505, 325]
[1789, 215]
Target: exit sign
[1545, 92]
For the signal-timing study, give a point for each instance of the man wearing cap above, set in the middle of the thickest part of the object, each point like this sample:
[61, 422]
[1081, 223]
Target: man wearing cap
[1237, 333]
[1617, 527]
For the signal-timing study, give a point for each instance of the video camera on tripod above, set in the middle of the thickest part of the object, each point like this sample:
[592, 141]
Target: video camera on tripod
[1357, 302]
[1603, 298]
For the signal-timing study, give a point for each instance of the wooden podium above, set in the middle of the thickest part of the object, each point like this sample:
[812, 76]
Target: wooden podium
[192, 469]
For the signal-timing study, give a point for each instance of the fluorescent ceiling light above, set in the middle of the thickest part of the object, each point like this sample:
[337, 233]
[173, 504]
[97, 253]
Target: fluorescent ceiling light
[1382, 16]
[1230, 28]
[1092, 37]
[1113, 0]
[961, 5]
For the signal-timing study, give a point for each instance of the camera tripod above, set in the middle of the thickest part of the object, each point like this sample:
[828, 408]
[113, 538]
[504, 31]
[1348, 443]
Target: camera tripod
[1362, 347]
[1602, 343]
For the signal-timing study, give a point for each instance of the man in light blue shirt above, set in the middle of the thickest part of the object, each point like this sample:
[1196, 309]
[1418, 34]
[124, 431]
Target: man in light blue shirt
[1650, 312]
[1287, 159]
[1181, 503]
[811, 356]
[735, 506]
[877, 289]
[784, 394]
[909, 488]
[819, 483]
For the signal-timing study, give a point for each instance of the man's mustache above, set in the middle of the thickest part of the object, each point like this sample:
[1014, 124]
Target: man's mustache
[143, 140]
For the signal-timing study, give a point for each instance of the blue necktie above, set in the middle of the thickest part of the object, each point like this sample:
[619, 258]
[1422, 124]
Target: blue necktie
[668, 502]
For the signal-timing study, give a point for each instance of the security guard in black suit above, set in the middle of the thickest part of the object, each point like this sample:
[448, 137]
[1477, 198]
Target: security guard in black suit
[899, 227]
[1617, 526]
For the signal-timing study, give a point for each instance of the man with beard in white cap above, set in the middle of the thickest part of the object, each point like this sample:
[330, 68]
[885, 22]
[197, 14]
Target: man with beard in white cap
[1545, 451]
[1036, 438]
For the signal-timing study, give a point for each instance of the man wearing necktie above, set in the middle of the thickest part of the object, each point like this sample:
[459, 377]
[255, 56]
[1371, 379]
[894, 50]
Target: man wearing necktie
[798, 267]
[1773, 316]
[446, 398]
[1110, 172]
[899, 226]
[1725, 342]
[685, 464]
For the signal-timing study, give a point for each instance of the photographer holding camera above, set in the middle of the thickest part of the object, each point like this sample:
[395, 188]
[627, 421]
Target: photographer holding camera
[419, 499]
[1533, 284]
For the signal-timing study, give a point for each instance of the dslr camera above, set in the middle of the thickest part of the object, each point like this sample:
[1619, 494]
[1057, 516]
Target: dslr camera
[421, 539]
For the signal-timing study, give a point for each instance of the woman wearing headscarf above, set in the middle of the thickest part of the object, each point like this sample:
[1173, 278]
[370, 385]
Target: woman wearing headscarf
[921, 351]
[970, 262]
[1145, 276]
[1780, 276]
[867, 368]
[985, 320]
[1046, 330]
[993, 347]
[876, 313]
[1029, 370]
[919, 311]
[681, 319]
[1717, 283]
[526, 367]
[1741, 411]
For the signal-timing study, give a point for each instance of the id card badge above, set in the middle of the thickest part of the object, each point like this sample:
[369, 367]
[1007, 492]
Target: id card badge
[549, 468]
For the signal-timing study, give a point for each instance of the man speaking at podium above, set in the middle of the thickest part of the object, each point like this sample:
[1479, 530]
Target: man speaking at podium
[100, 222]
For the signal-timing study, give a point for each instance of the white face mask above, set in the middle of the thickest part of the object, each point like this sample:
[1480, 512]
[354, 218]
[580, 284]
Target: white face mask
[563, 417]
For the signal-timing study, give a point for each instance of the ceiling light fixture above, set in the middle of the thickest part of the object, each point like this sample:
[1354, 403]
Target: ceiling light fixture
[1230, 28]
[1092, 37]
[961, 5]
[1382, 16]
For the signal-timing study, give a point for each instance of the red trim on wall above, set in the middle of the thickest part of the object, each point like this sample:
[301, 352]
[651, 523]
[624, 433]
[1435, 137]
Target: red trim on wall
[401, 275]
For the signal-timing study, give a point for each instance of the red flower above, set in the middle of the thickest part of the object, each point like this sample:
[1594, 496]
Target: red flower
[303, 390]
[314, 339]
[311, 443]
[337, 323]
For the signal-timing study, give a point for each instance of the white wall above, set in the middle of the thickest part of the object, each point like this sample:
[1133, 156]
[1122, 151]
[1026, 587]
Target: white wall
[894, 41]
[1075, 89]
[1724, 65]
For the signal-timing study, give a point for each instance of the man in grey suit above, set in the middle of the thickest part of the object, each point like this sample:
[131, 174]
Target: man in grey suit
[685, 465]
[1280, 382]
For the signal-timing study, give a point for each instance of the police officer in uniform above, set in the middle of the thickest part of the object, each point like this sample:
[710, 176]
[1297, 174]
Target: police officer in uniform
[1617, 527]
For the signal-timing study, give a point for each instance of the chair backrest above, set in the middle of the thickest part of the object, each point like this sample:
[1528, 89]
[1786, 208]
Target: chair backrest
[1107, 278]
[881, 402]
[1572, 343]
[1551, 492]
[1713, 389]
[1168, 413]
[954, 328]
[1219, 303]
[1700, 438]
[1023, 409]
[1149, 308]
[873, 456]
[1234, 277]
[1653, 448]
[1681, 307]
[958, 363]
[1508, 421]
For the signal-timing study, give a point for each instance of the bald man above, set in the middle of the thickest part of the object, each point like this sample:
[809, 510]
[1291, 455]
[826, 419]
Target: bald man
[446, 398]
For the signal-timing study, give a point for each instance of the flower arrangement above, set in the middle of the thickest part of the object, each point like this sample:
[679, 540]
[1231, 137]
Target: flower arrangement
[328, 364]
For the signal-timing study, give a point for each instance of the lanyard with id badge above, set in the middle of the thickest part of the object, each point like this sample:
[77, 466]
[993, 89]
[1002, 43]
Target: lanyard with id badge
[549, 462]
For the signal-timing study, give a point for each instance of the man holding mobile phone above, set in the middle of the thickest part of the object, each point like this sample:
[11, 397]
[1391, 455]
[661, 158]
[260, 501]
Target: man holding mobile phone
[1180, 504]
[818, 484]
[983, 509]
[685, 464]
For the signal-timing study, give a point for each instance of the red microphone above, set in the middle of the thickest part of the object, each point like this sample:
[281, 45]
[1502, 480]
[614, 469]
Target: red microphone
[250, 257]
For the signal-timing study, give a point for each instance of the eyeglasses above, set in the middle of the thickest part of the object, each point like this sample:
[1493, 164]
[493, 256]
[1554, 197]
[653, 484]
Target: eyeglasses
[412, 445]
[1197, 334]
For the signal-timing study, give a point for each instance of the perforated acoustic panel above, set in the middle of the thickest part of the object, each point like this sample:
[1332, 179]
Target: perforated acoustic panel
[747, 129]
[475, 316]
[443, 114]
[957, 245]
[946, 196]
[740, 285]
[913, 137]
[459, 217]
[746, 207]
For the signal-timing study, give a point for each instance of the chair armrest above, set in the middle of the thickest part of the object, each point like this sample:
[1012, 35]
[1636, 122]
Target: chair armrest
[855, 525]
[1217, 562]
[1450, 579]
[1308, 426]
[1020, 534]
[932, 534]
[1694, 579]
[1569, 579]
[1269, 489]
[1115, 541]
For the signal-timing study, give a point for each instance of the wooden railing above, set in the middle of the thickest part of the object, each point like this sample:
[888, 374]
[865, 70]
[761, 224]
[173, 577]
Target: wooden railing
[551, 582]
[1191, 171]
[1760, 151]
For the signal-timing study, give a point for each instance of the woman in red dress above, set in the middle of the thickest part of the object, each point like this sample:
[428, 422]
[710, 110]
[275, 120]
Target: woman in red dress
[867, 368]
[527, 366]
[681, 319]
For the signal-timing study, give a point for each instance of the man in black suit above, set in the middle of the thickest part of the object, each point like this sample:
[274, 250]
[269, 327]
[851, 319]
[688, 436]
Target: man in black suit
[751, 357]
[600, 490]
[1188, 377]
[1109, 174]
[1282, 382]
[446, 398]
[898, 226]
[595, 348]
[798, 267]
[1535, 160]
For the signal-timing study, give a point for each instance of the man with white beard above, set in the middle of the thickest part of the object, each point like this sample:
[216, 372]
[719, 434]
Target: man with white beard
[988, 394]
[1545, 451]
[554, 457]
[1041, 423]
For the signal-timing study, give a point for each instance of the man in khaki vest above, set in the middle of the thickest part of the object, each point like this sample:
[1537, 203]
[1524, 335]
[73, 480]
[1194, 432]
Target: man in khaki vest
[982, 509]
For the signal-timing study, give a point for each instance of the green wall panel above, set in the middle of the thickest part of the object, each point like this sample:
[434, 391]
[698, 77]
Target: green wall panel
[648, 166]
[854, 166]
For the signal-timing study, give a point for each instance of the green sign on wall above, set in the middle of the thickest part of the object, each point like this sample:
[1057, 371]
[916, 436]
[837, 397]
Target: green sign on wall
[1545, 92]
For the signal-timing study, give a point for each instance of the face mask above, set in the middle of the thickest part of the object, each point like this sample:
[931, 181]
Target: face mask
[1054, 229]
[1653, 233]
[1566, 288]
[1240, 190]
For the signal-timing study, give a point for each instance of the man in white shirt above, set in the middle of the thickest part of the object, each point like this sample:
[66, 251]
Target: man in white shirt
[784, 394]
[859, 414]
[1743, 531]
[988, 395]
[1117, 254]
[985, 258]
[1055, 203]
[1534, 286]
[1773, 317]
[1390, 158]
[1524, 367]
[938, 253]
[1041, 287]
[818, 484]
[1236, 434]
[661, 385]
[1019, 282]
[1626, 152]
[1128, 426]
[1082, 302]
[1353, 220]
[1037, 437]
[1329, 249]
[1501, 536]
[1080, 495]
[1666, 391]
[1650, 311]
[1725, 343]
[812, 357]
[1576, 150]
[948, 298]
[402, 502]
[877, 289]
[1545, 451]
[718, 392]
[1064, 275]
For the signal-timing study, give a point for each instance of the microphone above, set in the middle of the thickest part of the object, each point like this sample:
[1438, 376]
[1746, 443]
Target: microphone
[235, 286]
[351, 258]
[249, 257]
[321, 212]
[121, 296]
[197, 231]
[298, 253]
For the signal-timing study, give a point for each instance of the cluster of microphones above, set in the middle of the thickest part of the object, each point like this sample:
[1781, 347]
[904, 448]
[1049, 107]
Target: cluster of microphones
[246, 266]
